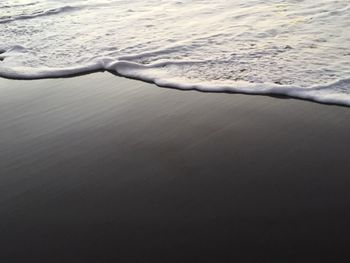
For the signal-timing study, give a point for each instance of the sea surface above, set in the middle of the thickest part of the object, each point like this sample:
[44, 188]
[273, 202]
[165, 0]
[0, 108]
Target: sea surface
[297, 48]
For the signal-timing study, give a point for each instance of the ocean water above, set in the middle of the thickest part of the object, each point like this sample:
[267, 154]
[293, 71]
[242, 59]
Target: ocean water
[297, 48]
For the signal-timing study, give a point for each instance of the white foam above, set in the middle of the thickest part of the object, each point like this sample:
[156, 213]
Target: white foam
[38, 14]
[46, 72]
[298, 49]
[331, 93]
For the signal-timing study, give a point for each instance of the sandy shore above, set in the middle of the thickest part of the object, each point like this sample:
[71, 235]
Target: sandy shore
[99, 168]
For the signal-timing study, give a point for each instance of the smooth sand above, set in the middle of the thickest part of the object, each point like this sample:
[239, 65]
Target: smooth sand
[99, 168]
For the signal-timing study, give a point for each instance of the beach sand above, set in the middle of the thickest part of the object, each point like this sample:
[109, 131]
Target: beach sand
[99, 168]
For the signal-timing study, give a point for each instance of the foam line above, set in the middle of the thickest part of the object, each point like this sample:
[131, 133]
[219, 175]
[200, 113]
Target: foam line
[331, 93]
[39, 14]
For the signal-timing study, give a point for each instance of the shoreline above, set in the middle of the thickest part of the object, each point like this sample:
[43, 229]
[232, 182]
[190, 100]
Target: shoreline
[195, 87]
[99, 168]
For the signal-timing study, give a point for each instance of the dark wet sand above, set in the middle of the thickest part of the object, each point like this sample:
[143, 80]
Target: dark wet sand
[104, 169]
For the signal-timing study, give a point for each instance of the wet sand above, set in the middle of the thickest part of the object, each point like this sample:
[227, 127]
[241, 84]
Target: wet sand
[99, 168]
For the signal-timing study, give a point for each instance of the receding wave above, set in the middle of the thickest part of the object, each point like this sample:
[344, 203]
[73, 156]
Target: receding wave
[54, 11]
[331, 93]
[299, 49]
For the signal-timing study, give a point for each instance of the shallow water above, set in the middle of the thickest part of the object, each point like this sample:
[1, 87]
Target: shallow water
[298, 48]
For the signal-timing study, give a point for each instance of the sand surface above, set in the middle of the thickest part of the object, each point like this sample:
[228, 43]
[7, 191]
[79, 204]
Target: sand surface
[99, 168]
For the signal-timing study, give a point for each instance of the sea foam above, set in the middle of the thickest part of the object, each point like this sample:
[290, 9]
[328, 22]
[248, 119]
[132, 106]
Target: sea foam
[296, 49]
[53, 11]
